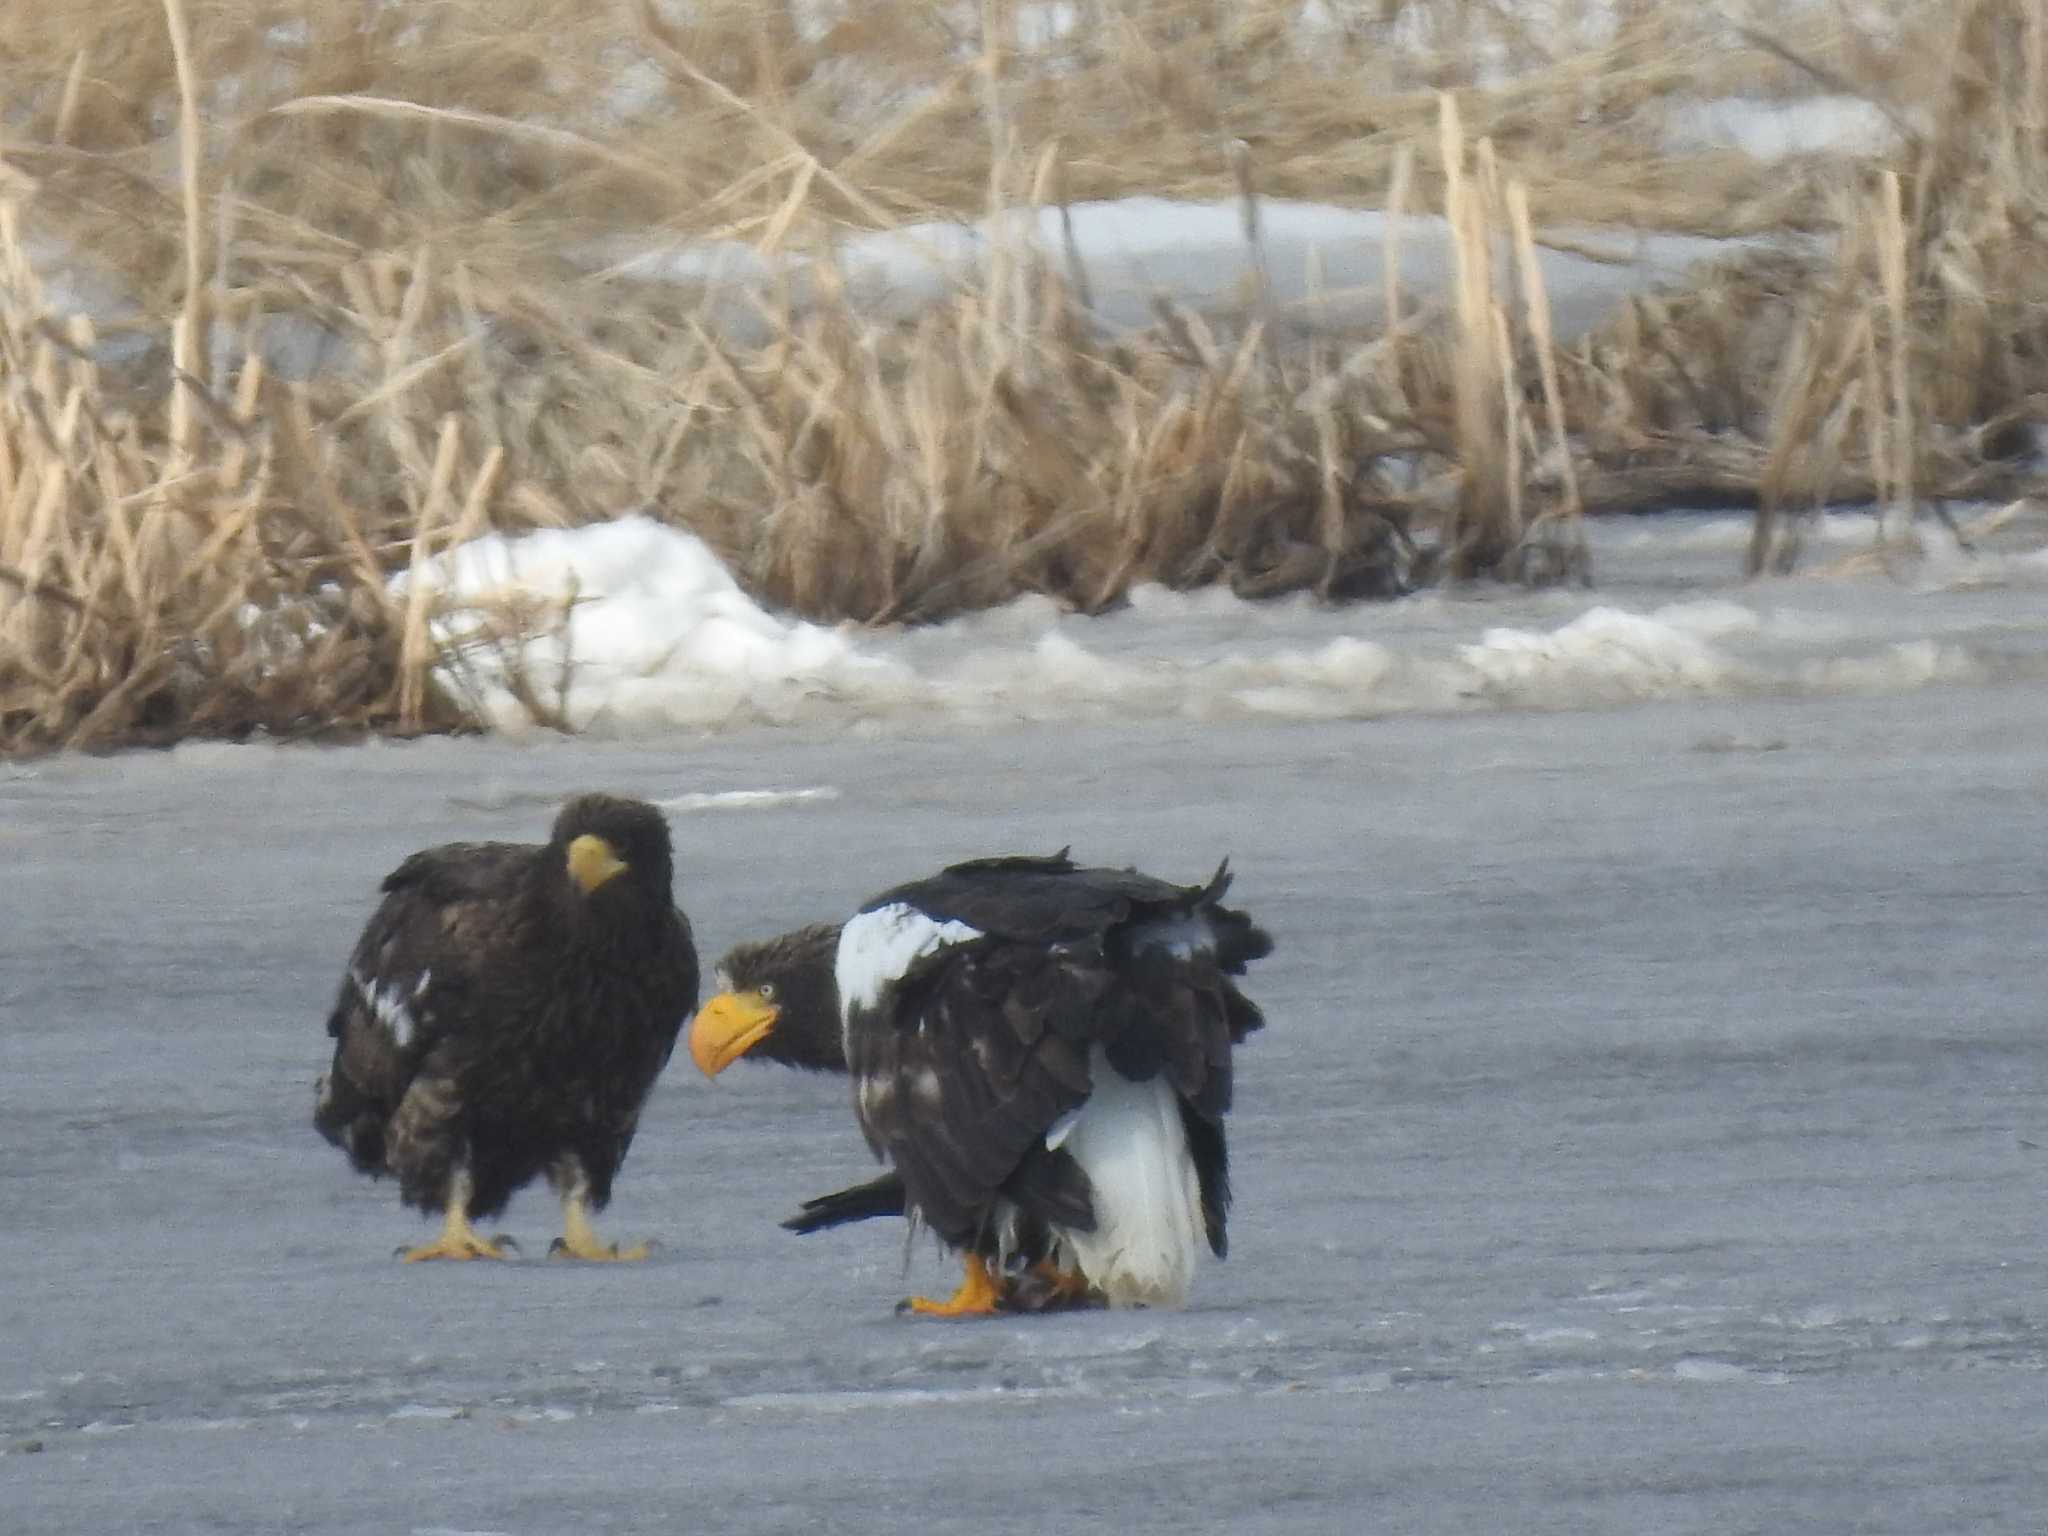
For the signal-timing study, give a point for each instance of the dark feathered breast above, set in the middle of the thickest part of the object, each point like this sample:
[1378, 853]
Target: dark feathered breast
[496, 1014]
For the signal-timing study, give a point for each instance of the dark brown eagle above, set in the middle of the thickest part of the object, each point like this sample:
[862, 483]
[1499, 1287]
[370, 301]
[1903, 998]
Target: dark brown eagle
[1041, 1052]
[504, 1015]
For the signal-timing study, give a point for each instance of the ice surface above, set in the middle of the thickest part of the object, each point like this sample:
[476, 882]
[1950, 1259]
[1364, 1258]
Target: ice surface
[660, 637]
[1646, 1135]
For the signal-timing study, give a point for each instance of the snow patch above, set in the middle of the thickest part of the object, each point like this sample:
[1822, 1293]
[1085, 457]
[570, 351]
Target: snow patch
[746, 799]
[655, 634]
[1770, 131]
[1607, 653]
[655, 631]
[1320, 265]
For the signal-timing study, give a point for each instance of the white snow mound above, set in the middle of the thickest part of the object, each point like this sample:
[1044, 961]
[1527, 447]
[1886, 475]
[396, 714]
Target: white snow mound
[657, 633]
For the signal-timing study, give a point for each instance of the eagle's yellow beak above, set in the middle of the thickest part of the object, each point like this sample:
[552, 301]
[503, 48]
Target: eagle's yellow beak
[728, 1027]
[592, 861]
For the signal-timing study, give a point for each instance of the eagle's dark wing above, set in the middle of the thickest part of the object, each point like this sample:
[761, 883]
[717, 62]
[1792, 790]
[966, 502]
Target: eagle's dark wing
[673, 977]
[409, 983]
[986, 1047]
[440, 927]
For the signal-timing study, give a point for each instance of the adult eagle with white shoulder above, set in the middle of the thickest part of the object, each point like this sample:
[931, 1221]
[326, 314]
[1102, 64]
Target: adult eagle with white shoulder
[1041, 1052]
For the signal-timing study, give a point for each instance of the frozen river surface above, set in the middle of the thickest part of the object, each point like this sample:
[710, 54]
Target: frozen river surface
[1647, 1138]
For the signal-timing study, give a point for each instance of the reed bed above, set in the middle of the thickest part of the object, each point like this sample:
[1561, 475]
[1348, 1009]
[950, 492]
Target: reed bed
[348, 314]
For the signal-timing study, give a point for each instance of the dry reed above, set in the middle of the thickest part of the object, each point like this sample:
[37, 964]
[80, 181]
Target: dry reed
[358, 321]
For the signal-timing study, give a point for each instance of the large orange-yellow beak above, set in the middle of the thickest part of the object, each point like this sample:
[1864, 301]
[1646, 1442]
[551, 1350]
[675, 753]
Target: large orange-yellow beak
[592, 861]
[728, 1027]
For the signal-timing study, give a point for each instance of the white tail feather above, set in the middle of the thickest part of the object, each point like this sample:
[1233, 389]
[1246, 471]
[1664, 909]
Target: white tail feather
[1129, 1140]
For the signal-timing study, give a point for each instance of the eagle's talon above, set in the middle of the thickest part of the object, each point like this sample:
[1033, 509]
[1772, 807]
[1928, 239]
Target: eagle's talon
[593, 1252]
[978, 1295]
[457, 1243]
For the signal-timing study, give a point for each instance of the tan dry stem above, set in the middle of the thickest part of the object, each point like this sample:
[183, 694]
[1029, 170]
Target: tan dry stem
[371, 268]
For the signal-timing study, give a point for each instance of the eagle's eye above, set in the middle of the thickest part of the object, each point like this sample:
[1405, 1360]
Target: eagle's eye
[767, 991]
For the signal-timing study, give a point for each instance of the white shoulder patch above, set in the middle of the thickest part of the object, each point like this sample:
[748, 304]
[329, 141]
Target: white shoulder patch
[876, 949]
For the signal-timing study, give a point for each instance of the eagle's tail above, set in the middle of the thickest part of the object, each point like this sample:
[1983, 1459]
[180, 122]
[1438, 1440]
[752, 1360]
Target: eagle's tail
[879, 1197]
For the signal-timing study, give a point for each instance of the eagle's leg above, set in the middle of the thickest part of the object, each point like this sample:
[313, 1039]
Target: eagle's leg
[578, 1239]
[458, 1239]
[1061, 1287]
[978, 1295]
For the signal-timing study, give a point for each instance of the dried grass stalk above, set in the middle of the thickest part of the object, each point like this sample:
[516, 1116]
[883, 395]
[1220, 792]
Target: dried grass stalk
[199, 525]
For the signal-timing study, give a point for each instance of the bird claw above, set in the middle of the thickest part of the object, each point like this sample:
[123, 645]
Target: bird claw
[611, 1253]
[457, 1246]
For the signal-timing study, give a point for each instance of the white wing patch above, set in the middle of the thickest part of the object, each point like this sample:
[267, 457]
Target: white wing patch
[1182, 936]
[876, 949]
[387, 1004]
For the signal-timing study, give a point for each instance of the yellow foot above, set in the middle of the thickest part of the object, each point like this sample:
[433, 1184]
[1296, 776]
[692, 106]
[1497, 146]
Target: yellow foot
[977, 1296]
[459, 1245]
[583, 1246]
[578, 1239]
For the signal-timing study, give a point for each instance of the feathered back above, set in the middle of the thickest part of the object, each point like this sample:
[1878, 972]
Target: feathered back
[978, 1000]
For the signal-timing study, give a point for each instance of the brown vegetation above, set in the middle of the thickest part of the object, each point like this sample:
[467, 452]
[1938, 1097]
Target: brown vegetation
[197, 527]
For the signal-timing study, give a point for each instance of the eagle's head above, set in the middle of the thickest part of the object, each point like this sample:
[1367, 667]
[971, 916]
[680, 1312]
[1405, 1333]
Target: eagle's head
[777, 1000]
[614, 852]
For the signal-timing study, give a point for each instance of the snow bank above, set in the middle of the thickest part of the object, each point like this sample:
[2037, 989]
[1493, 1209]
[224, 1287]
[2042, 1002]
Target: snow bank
[659, 636]
[657, 632]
